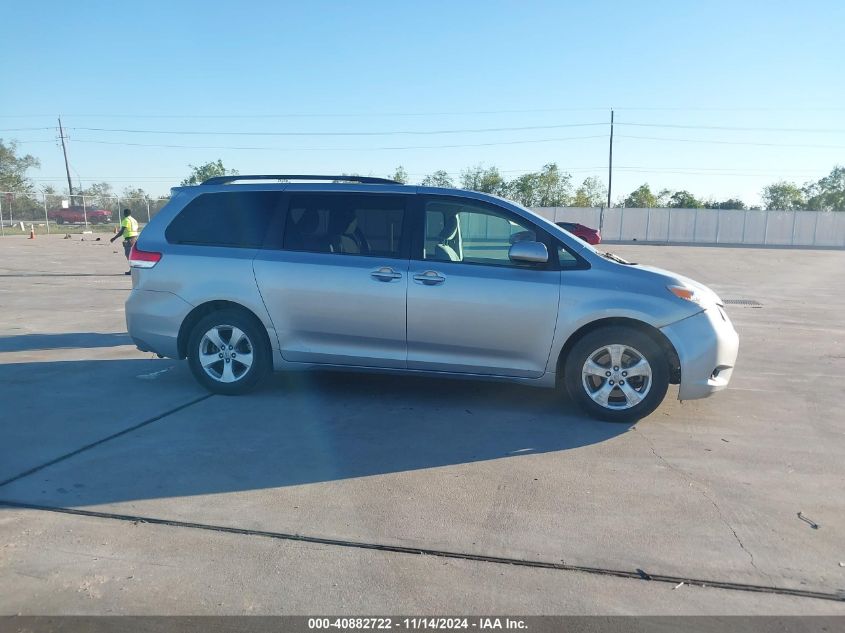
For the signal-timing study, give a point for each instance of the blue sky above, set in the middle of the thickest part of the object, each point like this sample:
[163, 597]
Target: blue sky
[201, 75]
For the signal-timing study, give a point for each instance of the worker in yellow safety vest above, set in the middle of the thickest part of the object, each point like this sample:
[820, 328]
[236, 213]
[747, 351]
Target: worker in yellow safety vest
[129, 232]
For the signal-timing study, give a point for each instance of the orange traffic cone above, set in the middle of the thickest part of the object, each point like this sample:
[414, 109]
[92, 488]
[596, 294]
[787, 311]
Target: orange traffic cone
[31, 232]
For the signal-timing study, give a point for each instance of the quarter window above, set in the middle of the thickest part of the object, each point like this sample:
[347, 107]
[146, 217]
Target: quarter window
[345, 224]
[567, 259]
[234, 219]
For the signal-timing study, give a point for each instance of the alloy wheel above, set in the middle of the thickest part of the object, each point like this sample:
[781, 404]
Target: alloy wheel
[225, 353]
[616, 377]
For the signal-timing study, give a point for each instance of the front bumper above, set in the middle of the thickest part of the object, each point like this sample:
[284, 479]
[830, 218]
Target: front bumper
[707, 347]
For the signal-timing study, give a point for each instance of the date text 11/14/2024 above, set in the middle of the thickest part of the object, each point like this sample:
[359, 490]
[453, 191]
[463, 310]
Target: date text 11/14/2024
[417, 623]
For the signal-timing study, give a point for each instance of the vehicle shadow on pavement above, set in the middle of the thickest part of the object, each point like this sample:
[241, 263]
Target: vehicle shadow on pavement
[298, 428]
[66, 340]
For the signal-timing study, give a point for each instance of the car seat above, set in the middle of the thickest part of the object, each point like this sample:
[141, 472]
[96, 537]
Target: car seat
[444, 251]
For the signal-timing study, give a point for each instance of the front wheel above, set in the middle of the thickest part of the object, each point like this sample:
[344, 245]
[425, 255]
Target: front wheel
[617, 374]
[228, 353]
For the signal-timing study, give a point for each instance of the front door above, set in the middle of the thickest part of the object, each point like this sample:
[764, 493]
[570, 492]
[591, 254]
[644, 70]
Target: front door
[336, 287]
[471, 309]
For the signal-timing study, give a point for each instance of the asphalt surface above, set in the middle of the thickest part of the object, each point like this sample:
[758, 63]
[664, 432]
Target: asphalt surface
[131, 491]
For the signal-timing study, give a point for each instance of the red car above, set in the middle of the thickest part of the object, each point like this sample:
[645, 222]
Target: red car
[77, 215]
[591, 236]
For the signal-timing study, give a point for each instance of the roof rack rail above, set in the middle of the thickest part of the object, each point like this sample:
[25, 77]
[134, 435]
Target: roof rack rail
[222, 180]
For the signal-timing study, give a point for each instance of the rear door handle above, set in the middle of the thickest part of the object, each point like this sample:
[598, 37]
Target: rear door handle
[430, 278]
[385, 273]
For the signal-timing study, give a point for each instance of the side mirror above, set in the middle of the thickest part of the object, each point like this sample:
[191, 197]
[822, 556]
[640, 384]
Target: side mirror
[531, 252]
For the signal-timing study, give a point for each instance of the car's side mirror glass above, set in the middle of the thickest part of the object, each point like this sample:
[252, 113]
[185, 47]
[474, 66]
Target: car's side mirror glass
[530, 252]
[523, 236]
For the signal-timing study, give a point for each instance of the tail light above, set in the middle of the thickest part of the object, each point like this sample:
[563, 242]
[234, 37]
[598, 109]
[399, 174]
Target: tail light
[142, 259]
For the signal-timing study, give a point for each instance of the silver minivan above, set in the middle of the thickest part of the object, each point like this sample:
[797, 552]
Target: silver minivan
[356, 273]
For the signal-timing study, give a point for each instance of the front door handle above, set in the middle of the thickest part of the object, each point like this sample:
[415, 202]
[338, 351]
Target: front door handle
[430, 278]
[385, 273]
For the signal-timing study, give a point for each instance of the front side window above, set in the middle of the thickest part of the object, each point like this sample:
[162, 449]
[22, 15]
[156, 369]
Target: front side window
[345, 224]
[235, 219]
[473, 234]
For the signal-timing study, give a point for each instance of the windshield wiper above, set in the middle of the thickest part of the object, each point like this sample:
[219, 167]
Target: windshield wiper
[616, 258]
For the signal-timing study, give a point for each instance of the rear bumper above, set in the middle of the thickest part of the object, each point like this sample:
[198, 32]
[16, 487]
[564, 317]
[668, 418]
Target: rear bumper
[707, 347]
[153, 320]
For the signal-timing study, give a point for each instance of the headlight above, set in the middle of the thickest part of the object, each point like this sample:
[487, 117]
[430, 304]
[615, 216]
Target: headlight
[687, 294]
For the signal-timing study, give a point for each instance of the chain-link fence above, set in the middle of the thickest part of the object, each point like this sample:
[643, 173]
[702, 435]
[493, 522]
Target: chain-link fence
[50, 213]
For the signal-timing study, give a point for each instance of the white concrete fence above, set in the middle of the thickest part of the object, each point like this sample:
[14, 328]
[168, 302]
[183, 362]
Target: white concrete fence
[709, 226]
[823, 229]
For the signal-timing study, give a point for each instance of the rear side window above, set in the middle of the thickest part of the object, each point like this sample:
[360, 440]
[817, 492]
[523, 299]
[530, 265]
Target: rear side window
[236, 219]
[347, 224]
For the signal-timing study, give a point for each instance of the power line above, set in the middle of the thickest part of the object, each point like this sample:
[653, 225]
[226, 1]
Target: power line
[456, 131]
[459, 131]
[370, 133]
[341, 149]
[737, 128]
[661, 167]
[310, 115]
[704, 171]
[701, 173]
[284, 115]
[501, 171]
[696, 140]
[546, 140]
[112, 178]
[734, 109]
[443, 131]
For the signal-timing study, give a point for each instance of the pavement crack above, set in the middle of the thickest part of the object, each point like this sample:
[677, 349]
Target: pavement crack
[637, 574]
[702, 489]
[733, 531]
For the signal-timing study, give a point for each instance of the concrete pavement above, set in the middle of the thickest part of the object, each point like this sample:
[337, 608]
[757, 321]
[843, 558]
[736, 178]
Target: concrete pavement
[708, 489]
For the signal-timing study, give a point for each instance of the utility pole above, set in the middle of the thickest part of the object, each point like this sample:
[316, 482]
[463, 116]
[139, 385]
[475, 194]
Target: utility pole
[610, 162]
[67, 168]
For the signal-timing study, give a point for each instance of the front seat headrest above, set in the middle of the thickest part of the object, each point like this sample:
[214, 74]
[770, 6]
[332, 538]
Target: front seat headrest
[342, 222]
[308, 222]
[450, 227]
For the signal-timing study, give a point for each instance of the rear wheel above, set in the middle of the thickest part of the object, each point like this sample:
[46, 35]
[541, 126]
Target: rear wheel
[617, 374]
[228, 353]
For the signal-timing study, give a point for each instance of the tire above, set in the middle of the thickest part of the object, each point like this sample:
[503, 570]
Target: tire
[629, 396]
[229, 375]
